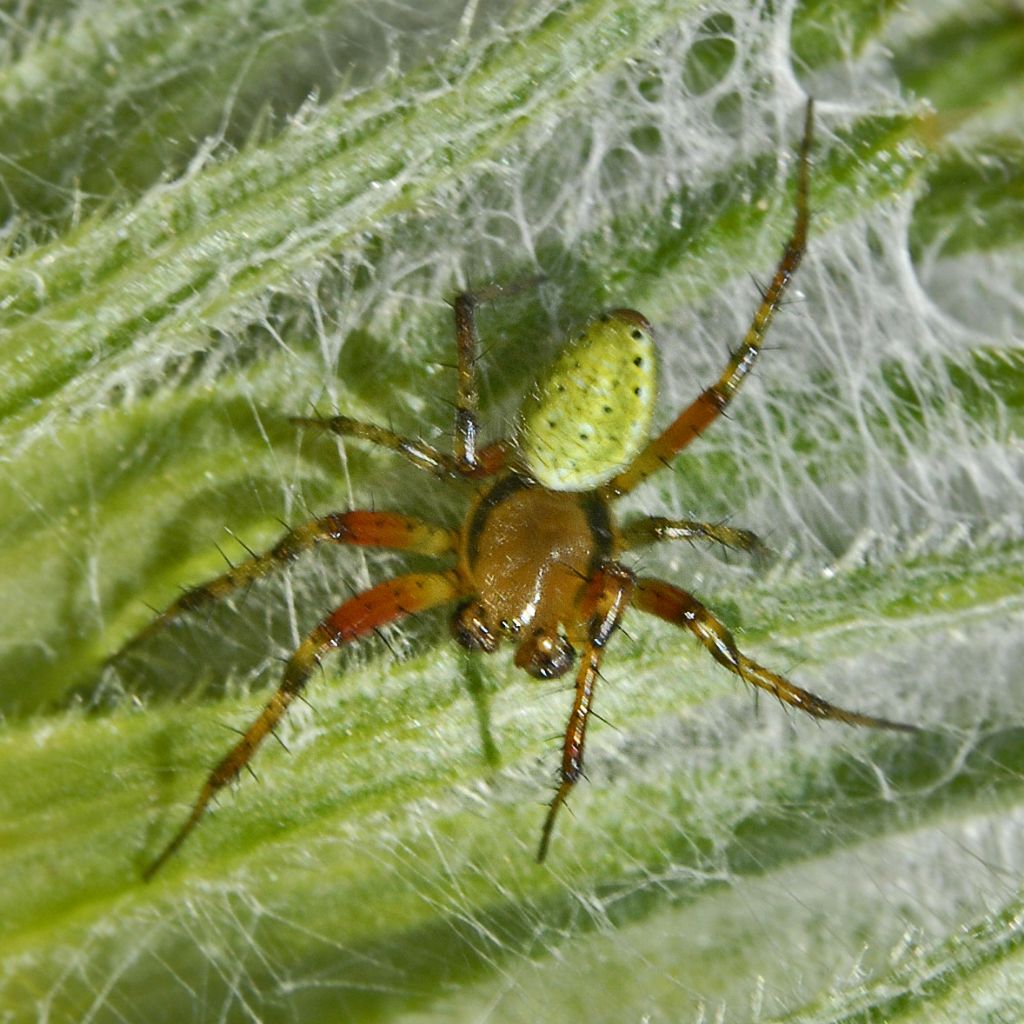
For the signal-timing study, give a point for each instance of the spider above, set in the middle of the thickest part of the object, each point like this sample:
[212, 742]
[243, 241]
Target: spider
[536, 559]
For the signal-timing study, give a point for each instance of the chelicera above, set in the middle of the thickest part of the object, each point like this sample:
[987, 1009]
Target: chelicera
[536, 561]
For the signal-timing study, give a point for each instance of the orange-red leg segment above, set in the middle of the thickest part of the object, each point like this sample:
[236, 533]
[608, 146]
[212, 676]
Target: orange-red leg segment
[693, 420]
[682, 609]
[385, 603]
[360, 528]
[604, 598]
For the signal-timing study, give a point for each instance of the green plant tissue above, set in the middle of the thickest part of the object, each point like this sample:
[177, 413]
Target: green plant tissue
[217, 216]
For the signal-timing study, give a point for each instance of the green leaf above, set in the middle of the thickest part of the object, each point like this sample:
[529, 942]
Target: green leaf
[220, 214]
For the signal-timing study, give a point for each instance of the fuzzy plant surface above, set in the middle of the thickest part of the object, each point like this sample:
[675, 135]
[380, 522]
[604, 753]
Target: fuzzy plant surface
[216, 216]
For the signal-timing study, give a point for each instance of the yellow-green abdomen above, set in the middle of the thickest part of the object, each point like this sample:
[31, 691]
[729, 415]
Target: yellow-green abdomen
[590, 415]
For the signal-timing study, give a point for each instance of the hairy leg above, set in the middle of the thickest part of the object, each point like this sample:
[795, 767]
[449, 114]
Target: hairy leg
[489, 460]
[385, 603]
[682, 609]
[603, 600]
[359, 528]
[418, 452]
[653, 529]
[469, 460]
[698, 416]
[467, 342]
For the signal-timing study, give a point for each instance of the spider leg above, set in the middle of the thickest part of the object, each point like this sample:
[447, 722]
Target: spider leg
[682, 609]
[603, 600]
[653, 529]
[385, 603]
[418, 452]
[467, 398]
[469, 460]
[710, 404]
[490, 459]
[360, 528]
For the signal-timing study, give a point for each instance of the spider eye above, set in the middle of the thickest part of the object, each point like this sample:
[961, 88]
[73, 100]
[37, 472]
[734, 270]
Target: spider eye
[545, 655]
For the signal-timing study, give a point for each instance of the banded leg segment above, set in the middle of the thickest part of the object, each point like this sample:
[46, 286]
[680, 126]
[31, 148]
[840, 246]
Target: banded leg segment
[682, 609]
[359, 528]
[418, 452]
[604, 599]
[712, 402]
[489, 460]
[385, 603]
[469, 460]
[467, 342]
[653, 529]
